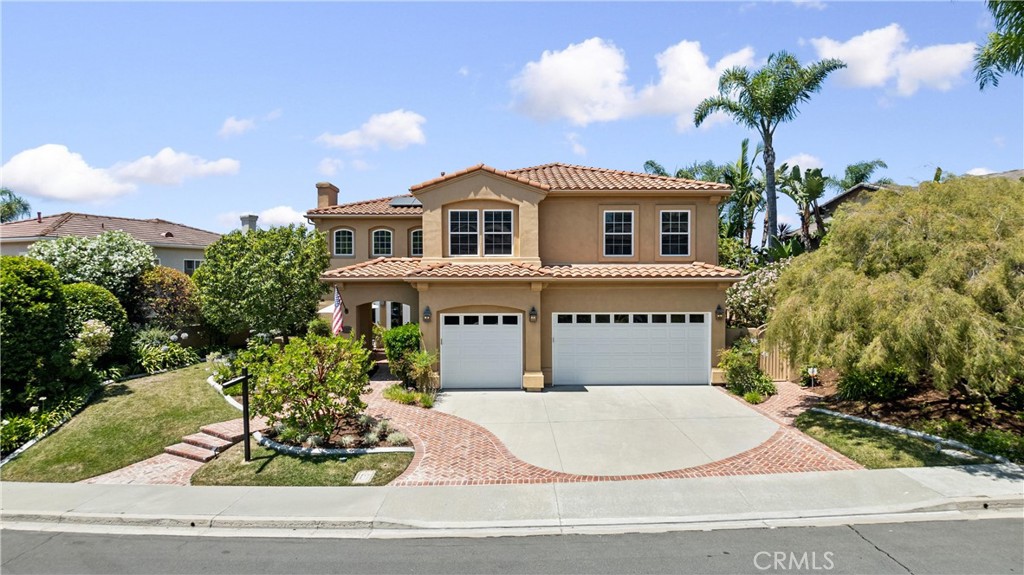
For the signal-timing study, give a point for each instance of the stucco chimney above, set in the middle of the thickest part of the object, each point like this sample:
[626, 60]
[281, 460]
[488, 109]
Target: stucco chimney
[326, 195]
[249, 222]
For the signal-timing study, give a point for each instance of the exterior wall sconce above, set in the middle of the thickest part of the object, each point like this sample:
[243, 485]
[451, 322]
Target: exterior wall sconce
[426, 314]
[719, 312]
[533, 315]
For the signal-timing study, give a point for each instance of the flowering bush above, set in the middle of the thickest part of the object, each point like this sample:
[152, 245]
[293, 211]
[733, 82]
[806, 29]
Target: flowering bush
[752, 300]
[85, 301]
[92, 342]
[168, 298]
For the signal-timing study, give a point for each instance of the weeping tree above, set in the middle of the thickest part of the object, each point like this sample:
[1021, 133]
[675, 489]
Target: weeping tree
[929, 280]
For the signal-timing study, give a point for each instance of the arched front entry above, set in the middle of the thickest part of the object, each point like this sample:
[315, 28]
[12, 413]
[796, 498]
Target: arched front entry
[400, 301]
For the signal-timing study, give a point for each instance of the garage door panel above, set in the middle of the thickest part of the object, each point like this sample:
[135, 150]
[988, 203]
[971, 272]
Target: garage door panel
[481, 351]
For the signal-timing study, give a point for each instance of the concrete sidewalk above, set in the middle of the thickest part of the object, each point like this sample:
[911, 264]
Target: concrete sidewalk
[549, 507]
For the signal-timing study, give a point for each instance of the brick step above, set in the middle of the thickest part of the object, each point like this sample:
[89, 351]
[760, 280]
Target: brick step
[189, 451]
[207, 441]
[226, 430]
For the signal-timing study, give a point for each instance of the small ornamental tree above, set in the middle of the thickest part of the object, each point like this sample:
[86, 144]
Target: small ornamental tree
[114, 260]
[399, 343]
[264, 280]
[84, 302]
[751, 300]
[169, 298]
[929, 280]
[312, 384]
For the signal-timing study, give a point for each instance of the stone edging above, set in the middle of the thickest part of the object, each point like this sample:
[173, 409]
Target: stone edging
[913, 433]
[322, 451]
[220, 389]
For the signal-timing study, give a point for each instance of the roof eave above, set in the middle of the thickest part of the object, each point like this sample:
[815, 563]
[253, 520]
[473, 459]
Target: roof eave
[335, 216]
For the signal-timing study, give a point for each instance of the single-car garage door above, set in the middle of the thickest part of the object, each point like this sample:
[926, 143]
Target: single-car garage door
[483, 350]
[631, 348]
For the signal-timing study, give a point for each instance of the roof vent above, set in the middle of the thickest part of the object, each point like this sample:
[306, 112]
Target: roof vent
[167, 235]
[405, 202]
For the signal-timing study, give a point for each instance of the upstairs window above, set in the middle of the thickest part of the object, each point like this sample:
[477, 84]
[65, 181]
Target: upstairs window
[344, 243]
[618, 233]
[416, 243]
[463, 230]
[497, 232]
[381, 243]
[675, 233]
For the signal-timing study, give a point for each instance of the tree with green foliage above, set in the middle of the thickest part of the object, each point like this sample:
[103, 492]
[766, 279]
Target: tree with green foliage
[1004, 51]
[399, 343]
[859, 173]
[12, 206]
[706, 171]
[747, 198]
[86, 301]
[805, 189]
[927, 279]
[764, 99]
[264, 280]
[114, 260]
[169, 298]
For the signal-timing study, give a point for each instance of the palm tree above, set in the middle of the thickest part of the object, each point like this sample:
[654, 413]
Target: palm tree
[706, 171]
[1004, 51]
[859, 173]
[764, 99]
[747, 197]
[12, 206]
[806, 188]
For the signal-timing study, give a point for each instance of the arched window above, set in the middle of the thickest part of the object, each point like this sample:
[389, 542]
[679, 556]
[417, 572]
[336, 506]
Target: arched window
[381, 245]
[344, 243]
[416, 243]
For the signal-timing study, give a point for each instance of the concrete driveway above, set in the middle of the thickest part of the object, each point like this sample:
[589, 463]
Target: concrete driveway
[614, 430]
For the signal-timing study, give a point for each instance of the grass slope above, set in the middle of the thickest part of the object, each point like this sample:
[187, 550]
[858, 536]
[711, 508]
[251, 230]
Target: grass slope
[271, 468]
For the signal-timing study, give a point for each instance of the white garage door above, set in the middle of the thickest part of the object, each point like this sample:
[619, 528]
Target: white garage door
[483, 350]
[631, 348]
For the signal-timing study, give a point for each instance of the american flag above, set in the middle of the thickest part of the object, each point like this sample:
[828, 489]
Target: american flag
[338, 321]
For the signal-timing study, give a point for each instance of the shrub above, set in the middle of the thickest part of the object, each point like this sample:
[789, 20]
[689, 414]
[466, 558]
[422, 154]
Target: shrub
[399, 394]
[33, 330]
[397, 439]
[742, 373]
[154, 358]
[398, 343]
[169, 298]
[753, 397]
[751, 300]
[16, 430]
[85, 301]
[873, 385]
[92, 342]
[318, 326]
[349, 441]
[421, 370]
[153, 335]
[312, 384]
[734, 254]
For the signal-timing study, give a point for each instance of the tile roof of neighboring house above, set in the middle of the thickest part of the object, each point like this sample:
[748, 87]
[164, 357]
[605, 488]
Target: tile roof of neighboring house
[151, 231]
[412, 268]
[830, 205]
[377, 207]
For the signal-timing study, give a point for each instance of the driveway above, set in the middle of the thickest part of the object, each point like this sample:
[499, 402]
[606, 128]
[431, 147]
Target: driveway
[614, 430]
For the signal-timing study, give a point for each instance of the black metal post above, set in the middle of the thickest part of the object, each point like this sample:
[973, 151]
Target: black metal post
[245, 412]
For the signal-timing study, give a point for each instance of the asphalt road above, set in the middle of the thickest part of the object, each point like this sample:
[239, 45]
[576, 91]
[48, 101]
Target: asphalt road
[981, 546]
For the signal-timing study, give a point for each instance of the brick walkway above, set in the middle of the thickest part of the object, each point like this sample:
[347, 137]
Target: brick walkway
[453, 451]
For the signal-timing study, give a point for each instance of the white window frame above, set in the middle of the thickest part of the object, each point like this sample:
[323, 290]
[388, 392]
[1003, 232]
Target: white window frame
[476, 234]
[688, 233]
[605, 233]
[511, 233]
[196, 265]
[373, 242]
[334, 243]
[412, 244]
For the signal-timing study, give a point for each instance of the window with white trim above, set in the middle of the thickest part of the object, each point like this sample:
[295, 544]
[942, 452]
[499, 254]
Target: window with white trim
[497, 232]
[190, 266]
[675, 232]
[344, 243]
[381, 243]
[463, 230]
[618, 233]
[416, 243]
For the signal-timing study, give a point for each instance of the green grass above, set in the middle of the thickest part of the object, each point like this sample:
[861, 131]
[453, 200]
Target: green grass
[398, 393]
[872, 447]
[126, 423]
[272, 468]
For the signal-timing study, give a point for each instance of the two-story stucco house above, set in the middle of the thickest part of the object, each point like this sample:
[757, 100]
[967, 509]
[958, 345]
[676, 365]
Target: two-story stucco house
[549, 275]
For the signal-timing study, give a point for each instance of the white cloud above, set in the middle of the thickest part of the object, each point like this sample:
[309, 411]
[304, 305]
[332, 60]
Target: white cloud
[978, 171]
[805, 161]
[396, 130]
[877, 57]
[329, 166]
[234, 127]
[587, 83]
[812, 4]
[170, 167]
[53, 171]
[464, 71]
[276, 216]
[574, 140]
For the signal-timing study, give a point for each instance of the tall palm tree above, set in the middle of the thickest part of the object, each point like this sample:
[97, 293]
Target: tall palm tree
[747, 197]
[12, 206]
[859, 173]
[764, 99]
[805, 189]
[1004, 51]
[706, 171]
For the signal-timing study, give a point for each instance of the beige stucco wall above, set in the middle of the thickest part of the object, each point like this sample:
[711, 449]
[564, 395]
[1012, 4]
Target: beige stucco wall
[9, 248]
[401, 228]
[359, 296]
[170, 257]
[571, 228]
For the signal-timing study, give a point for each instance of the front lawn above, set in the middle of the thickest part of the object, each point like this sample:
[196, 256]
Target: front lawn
[872, 447]
[269, 467]
[126, 423]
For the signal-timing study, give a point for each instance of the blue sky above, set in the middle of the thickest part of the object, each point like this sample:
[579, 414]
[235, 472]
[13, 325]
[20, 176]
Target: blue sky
[197, 112]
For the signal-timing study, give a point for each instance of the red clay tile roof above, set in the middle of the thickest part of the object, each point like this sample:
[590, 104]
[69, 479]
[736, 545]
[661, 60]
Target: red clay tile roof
[485, 168]
[377, 207]
[151, 231]
[413, 268]
[566, 177]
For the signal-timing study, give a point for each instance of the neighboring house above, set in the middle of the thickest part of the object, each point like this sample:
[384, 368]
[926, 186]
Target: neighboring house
[177, 246]
[554, 274]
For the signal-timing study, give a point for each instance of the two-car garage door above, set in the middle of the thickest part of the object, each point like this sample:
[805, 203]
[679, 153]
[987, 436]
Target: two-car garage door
[631, 348]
